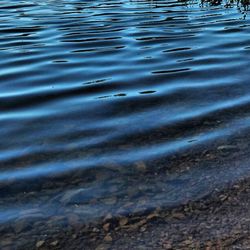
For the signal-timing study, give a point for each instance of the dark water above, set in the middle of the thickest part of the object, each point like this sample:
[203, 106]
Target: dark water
[120, 106]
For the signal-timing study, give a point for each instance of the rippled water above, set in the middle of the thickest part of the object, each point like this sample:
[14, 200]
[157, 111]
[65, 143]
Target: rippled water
[120, 106]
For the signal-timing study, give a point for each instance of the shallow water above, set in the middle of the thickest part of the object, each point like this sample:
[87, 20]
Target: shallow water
[120, 106]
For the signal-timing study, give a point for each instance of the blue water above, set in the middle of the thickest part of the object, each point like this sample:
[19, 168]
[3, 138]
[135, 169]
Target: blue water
[113, 102]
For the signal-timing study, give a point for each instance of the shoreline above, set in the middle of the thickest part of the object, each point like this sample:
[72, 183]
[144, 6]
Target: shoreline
[205, 205]
[219, 221]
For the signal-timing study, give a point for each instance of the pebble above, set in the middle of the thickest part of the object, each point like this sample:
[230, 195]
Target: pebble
[136, 225]
[95, 230]
[223, 197]
[108, 238]
[140, 165]
[102, 247]
[40, 243]
[151, 216]
[187, 242]
[106, 227]
[142, 222]
[54, 243]
[123, 221]
[178, 216]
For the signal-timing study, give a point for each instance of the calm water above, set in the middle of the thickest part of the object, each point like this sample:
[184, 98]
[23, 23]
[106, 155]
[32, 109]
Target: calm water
[120, 106]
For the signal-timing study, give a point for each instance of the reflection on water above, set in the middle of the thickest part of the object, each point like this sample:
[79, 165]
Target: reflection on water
[120, 106]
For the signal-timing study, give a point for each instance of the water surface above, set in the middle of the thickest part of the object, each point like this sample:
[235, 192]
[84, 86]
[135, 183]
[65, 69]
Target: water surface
[120, 106]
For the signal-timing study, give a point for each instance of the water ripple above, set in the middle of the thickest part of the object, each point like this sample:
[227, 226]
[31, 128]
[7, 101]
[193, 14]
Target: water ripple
[102, 85]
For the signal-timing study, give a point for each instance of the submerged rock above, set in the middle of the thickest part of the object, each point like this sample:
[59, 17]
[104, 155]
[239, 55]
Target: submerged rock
[76, 196]
[141, 166]
[40, 243]
[106, 227]
[108, 238]
[123, 221]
